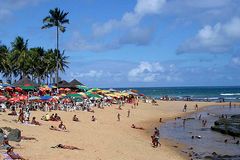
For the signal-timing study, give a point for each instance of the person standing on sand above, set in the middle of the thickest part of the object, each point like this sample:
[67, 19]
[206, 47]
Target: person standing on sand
[185, 108]
[196, 107]
[118, 116]
[128, 113]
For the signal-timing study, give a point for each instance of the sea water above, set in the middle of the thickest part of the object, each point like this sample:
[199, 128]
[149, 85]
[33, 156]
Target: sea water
[195, 93]
[210, 141]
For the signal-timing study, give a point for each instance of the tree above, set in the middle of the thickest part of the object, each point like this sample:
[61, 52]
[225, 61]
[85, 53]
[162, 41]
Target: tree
[20, 56]
[56, 18]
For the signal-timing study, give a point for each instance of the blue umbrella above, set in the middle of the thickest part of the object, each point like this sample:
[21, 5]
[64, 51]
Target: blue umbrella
[45, 98]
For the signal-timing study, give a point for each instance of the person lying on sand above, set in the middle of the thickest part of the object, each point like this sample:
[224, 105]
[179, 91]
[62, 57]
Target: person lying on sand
[66, 147]
[5, 143]
[133, 126]
[28, 138]
[13, 113]
[62, 126]
[35, 122]
[56, 117]
[57, 129]
[45, 117]
[14, 155]
[75, 118]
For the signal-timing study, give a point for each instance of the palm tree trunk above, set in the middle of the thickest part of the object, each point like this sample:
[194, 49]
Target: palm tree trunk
[57, 57]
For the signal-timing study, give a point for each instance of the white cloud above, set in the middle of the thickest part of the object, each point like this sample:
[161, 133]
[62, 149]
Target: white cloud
[214, 39]
[90, 74]
[153, 72]
[130, 19]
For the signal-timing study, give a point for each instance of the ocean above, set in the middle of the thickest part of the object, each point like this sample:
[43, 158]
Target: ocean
[231, 93]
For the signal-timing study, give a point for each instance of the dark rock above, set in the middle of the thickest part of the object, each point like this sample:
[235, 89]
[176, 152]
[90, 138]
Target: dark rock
[1, 131]
[15, 135]
[230, 126]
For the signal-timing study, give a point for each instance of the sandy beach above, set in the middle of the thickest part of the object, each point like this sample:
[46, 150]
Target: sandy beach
[105, 139]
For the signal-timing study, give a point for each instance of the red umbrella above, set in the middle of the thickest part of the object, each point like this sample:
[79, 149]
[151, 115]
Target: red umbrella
[14, 100]
[53, 100]
[18, 89]
[3, 99]
[22, 98]
[67, 89]
[9, 88]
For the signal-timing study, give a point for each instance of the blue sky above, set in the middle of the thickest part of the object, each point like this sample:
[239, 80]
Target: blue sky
[136, 43]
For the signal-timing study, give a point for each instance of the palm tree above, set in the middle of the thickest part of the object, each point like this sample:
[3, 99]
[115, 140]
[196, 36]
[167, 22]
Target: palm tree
[21, 56]
[56, 18]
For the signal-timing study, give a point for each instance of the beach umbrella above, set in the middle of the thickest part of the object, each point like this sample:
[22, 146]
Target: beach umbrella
[8, 88]
[22, 98]
[90, 95]
[112, 90]
[85, 88]
[67, 89]
[3, 98]
[94, 90]
[78, 99]
[27, 87]
[34, 98]
[73, 95]
[83, 95]
[14, 100]
[53, 100]
[18, 89]
[45, 98]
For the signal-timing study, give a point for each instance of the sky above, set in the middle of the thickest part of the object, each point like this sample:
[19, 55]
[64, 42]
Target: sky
[136, 43]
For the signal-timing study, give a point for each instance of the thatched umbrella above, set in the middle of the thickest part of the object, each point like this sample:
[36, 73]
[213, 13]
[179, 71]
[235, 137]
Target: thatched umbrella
[75, 83]
[25, 82]
[63, 84]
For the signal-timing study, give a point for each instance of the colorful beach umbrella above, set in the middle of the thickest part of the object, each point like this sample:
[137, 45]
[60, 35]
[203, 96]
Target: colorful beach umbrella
[28, 87]
[3, 99]
[34, 98]
[45, 98]
[85, 88]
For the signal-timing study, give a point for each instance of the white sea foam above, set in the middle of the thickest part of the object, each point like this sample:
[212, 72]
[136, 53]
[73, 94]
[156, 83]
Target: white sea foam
[230, 94]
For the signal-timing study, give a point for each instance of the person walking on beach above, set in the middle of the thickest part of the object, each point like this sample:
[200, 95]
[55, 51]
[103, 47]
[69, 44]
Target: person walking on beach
[196, 107]
[118, 116]
[184, 122]
[185, 108]
[128, 113]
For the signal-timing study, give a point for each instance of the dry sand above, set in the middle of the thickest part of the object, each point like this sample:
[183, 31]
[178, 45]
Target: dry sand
[105, 139]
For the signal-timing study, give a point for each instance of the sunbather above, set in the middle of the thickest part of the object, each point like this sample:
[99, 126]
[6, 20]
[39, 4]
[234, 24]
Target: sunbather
[66, 147]
[14, 155]
[75, 118]
[133, 126]
[35, 122]
[62, 126]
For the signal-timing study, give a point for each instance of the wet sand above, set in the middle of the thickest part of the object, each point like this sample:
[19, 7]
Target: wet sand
[105, 139]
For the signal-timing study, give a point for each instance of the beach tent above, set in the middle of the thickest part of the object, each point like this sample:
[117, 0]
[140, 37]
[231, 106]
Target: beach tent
[63, 84]
[75, 83]
[25, 82]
